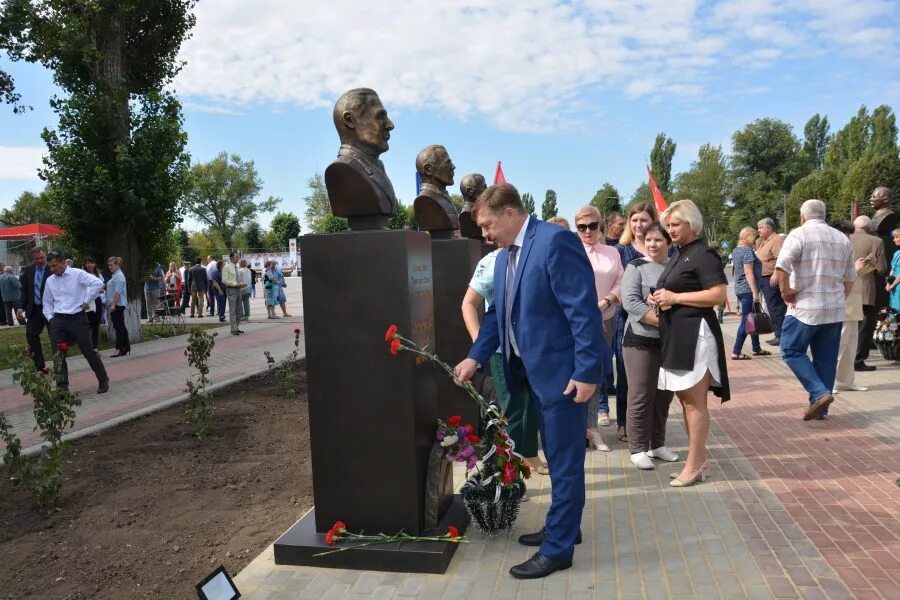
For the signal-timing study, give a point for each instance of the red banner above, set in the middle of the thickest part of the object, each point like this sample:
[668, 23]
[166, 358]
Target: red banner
[498, 175]
[657, 195]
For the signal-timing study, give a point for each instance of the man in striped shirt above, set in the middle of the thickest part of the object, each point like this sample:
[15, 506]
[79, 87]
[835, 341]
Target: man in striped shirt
[815, 273]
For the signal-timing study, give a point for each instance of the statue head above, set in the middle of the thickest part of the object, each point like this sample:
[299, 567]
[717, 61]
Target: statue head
[434, 165]
[881, 198]
[471, 187]
[362, 121]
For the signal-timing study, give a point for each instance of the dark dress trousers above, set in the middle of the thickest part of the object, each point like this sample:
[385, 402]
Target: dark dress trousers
[33, 308]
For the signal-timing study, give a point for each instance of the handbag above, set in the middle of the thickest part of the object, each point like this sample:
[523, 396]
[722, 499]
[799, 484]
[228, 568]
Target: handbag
[761, 320]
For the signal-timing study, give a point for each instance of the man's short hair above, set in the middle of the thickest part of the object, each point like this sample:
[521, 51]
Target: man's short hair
[7, 269]
[498, 198]
[813, 209]
[37, 249]
[232, 255]
[863, 222]
[768, 222]
[55, 255]
[613, 216]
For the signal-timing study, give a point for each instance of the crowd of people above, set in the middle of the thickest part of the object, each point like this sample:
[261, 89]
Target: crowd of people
[641, 291]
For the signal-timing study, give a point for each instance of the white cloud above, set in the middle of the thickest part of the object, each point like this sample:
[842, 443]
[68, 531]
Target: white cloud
[20, 162]
[522, 64]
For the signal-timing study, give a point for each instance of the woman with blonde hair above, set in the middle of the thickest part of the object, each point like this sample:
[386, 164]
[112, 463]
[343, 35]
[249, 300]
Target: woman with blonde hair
[608, 270]
[561, 221]
[748, 275]
[693, 351]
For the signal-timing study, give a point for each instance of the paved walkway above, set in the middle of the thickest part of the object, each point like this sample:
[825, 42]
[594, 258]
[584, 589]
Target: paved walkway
[793, 510]
[153, 376]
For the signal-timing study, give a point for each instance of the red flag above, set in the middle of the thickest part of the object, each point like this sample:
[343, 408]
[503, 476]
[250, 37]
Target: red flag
[855, 208]
[498, 175]
[657, 195]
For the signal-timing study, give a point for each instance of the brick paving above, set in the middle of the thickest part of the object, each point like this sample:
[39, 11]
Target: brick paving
[154, 374]
[793, 510]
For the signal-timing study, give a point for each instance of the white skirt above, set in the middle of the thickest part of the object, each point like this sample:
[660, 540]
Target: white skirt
[706, 357]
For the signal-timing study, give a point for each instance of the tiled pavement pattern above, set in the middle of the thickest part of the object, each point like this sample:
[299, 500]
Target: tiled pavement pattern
[155, 372]
[793, 510]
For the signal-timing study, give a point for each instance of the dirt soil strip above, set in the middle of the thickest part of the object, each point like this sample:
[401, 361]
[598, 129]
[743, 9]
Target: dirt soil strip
[148, 510]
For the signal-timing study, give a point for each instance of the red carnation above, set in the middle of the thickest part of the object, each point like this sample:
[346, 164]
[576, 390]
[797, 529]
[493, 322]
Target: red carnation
[396, 346]
[452, 532]
[297, 330]
[509, 474]
[391, 331]
[455, 420]
[62, 347]
[474, 439]
[339, 527]
[329, 538]
[501, 450]
[45, 370]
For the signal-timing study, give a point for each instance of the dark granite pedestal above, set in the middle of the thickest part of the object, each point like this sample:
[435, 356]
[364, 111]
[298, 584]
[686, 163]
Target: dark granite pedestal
[371, 415]
[453, 261]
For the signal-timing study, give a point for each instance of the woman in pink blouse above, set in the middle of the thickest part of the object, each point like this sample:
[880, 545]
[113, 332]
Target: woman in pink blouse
[607, 266]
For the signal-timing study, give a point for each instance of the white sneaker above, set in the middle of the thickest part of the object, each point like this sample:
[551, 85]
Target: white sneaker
[663, 453]
[852, 388]
[642, 461]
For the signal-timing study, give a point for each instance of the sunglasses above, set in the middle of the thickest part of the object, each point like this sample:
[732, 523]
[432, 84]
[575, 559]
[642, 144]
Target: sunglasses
[585, 226]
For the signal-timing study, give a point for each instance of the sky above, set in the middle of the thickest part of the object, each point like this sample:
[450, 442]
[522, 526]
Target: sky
[568, 95]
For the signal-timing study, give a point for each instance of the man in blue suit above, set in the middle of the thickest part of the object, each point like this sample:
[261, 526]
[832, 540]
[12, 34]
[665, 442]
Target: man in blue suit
[547, 321]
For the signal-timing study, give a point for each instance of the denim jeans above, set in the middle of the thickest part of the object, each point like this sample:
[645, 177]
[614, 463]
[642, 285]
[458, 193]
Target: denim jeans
[823, 341]
[746, 309]
[774, 304]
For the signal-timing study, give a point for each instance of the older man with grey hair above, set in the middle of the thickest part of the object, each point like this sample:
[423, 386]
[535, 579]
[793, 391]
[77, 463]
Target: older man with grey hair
[767, 248]
[871, 248]
[815, 273]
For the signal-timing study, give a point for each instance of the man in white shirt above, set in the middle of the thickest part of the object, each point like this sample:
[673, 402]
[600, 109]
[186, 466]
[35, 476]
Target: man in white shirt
[69, 292]
[232, 280]
[211, 267]
[815, 274]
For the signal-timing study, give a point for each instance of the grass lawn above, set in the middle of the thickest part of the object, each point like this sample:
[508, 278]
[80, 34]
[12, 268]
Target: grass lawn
[16, 336]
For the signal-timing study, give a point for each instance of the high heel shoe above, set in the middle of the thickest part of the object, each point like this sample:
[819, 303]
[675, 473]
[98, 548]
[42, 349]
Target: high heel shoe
[703, 469]
[120, 353]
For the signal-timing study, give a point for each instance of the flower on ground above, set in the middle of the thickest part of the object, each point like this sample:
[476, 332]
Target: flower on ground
[396, 346]
[455, 420]
[62, 347]
[452, 532]
[297, 331]
[45, 370]
[329, 538]
[391, 331]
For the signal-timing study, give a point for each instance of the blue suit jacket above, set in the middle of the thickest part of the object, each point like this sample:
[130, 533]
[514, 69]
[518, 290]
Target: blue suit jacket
[555, 313]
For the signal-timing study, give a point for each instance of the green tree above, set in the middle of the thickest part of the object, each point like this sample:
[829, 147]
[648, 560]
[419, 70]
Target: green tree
[334, 224]
[457, 201]
[318, 208]
[607, 199]
[183, 243]
[661, 161]
[203, 244]
[401, 219]
[884, 132]
[253, 236]
[850, 143]
[116, 162]
[33, 208]
[411, 218]
[816, 139]
[864, 176]
[549, 208]
[222, 195]
[285, 226]
[823, 184]
[706, 183]
[528, 202]
[640, 195]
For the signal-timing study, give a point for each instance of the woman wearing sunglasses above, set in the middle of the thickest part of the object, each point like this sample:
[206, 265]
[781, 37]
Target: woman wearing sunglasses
[608, 271]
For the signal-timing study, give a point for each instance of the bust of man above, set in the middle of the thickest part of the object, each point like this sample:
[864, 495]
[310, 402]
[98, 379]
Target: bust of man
[434, 211]
[885, 219]
[358, 187]
[471, 186]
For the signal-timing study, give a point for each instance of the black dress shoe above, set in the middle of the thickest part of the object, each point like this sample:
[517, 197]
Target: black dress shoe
[104, 386]
[861, 366]
[538, 566]
[536, 539]
[774, 342]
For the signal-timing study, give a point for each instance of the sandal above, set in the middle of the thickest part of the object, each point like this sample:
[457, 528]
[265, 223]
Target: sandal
[761, 353]
[621, 435]
[741, 356]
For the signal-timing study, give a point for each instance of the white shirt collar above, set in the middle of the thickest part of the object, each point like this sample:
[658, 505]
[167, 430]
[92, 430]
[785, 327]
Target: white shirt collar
[520, 239]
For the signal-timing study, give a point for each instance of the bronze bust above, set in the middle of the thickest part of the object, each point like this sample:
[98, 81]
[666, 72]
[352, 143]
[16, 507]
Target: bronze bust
[885, 219]
[358, 187]
[471, 186]
[434, 211]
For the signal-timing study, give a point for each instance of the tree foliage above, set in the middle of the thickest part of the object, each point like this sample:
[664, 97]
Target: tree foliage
[253, 236]
[285, 226]
[318, 208]
[816, 140]
[707, 184]
[32, 208]
[528, 202]
[641, 194]
[661, 161]
[607, 199]
[549, 208]
[222, 195]
[401, 219]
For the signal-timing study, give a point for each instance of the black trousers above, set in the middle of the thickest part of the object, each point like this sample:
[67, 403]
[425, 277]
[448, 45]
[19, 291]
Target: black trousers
[94, 323]
[9, 311]
[75, 329]
[33, 330]
[866, 331]
[118, 320]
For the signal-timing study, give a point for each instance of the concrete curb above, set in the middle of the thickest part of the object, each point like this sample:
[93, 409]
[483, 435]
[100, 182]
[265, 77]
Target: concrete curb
[99, 427]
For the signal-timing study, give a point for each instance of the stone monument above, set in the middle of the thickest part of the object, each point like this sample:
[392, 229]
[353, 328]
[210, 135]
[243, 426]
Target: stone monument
[434, 211]
[453, 261]
[372, 416]
[471, 186]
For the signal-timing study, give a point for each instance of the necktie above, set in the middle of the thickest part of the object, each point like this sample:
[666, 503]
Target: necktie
[38, 279]
[510, 280]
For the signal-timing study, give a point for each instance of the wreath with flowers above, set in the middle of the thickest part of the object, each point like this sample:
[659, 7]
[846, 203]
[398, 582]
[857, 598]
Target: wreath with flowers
[493, 491]
[887, 334]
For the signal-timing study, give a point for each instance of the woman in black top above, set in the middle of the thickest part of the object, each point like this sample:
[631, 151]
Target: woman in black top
[693, 352]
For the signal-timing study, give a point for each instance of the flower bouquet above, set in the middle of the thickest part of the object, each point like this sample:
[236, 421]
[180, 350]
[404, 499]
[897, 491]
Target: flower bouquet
[887, 336]
[492, 495]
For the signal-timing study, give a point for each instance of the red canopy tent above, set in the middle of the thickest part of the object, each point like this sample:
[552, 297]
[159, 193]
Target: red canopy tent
[35, 231]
